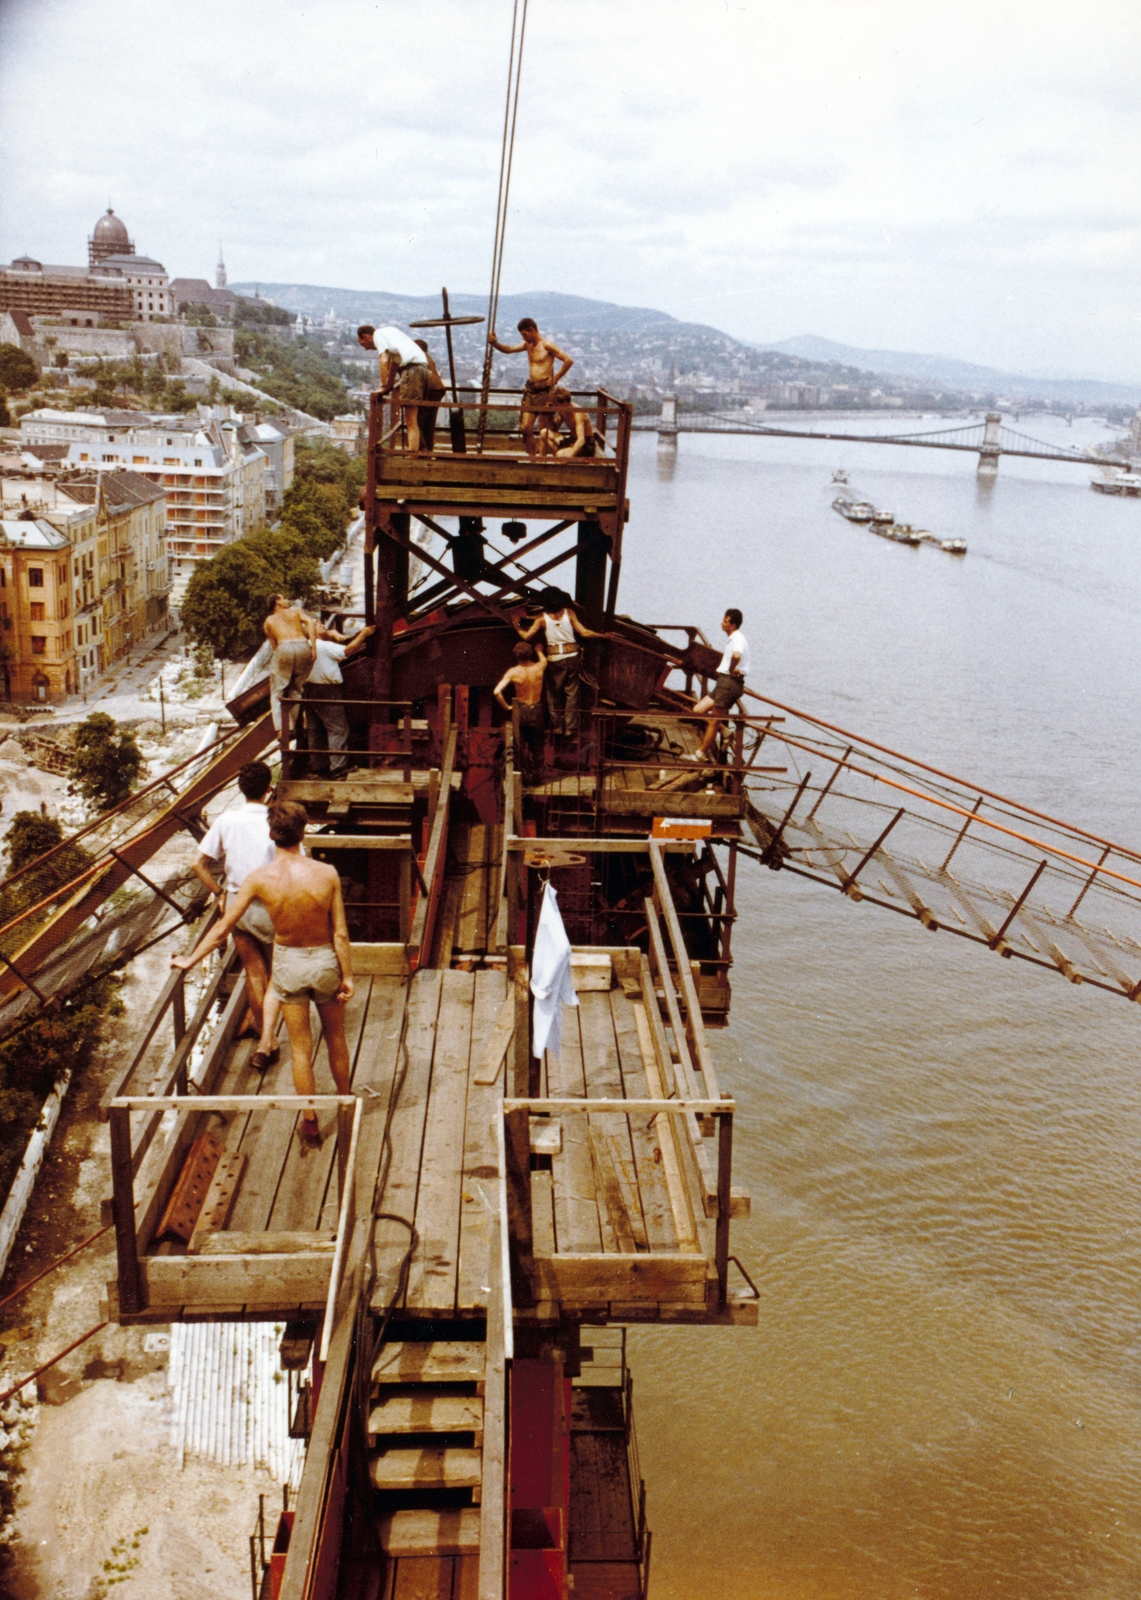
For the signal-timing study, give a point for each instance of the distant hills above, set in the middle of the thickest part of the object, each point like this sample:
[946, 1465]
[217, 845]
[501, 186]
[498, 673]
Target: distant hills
[955, 374]
[640, 344]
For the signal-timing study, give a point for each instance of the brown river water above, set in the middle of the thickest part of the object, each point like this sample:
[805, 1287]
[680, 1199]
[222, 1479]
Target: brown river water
[942, 1397]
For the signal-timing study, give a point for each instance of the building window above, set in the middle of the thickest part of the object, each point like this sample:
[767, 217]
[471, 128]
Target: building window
[39, 645]
[35, 577]
[38, 611]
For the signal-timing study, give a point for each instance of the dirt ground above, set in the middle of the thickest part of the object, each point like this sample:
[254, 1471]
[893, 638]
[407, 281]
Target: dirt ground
[99, 1496]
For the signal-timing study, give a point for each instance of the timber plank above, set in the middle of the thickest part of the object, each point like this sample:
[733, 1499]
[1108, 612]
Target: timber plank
[611, 1200]
[258, 1282]
[543, 1213]
[431, 1466]
[667, 1133]
[422, 1578]
[591, 1279]
[435, 1261]
[375, 1070]
[649, 1157]
[401, 1183]
[480, 1148]
[410, 1410]
[478, 471]
[604, 1081]
[453, 1531]
[578, 1221]
[470, 843]
[307, 1194]
[443, 1361]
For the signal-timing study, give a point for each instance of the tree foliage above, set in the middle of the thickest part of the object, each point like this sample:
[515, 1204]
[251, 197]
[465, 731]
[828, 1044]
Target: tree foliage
[299, 374]
[252, 313]
[31, 835]
[17, 369]
[225, 601]
[107, 761]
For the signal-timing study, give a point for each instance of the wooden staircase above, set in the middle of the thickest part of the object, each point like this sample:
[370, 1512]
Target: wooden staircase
[425, 1436]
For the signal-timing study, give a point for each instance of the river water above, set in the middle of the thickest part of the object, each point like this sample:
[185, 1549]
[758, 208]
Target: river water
[942, 1397]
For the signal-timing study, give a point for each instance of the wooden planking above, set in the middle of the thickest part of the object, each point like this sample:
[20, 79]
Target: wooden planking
[543, 1213]
[406, 1135]
[434, 1267]
[667, 1134]
[480, 472]
[266, 1244]
[307, 1194]
[604, 1080]
[256, 1282]
[578, 1225]
[480, 1159]
[400, 1410]
[443, 1361]
[486, 1069]
[431, 1466]
[375, 1069]
[594, 1278]
[613, 1203]
[423, 1578]
[453, 1531]
[602, 1515]
[649, 1156]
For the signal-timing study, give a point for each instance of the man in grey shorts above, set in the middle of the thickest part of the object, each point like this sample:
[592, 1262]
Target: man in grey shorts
[730, 683]
[312, 959]
[238, 843]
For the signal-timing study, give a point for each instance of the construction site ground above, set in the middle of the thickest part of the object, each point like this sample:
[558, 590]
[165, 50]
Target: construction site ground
[89, 1461]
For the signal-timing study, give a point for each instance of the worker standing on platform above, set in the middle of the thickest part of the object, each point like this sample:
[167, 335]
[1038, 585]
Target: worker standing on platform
[563, 678]
[437, 389]
[527, 710]
[324, 694]
[293, 635]
[543, 395]
[239, 843]
[403, 366]
[312, 957]
[730, 682]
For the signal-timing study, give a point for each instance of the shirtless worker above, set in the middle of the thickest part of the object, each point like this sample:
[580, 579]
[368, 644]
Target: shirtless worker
[293, 635]
[312, 959]
[587, 441]
[562, 630]
[527, 711]
[542, 394]
[403, 366]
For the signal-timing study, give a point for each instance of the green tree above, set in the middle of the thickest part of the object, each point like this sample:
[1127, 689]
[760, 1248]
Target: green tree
[5, 414]
[225, 601]
[17, 369]
[31, 835]
[107, 761]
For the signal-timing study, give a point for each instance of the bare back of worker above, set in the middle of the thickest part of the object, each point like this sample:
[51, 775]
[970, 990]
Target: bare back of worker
[301, 897]
[528, 680]
[289, 622]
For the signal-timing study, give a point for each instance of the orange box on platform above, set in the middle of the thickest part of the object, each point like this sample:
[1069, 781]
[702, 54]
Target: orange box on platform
[681, 828]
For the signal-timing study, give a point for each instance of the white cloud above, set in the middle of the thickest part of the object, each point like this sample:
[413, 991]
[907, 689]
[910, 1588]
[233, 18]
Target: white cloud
[956, 178]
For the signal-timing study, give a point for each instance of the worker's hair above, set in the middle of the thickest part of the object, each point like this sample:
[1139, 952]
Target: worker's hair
[254, 779]
[553, 599]
[271, 603]
[421, 344]
[287, 823]
[527, 325]
[524, 651]
[365, 327]
[734, 616]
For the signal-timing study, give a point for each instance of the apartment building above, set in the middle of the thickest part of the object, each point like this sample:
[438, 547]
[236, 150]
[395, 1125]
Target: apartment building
[211, 465]
[37, 629]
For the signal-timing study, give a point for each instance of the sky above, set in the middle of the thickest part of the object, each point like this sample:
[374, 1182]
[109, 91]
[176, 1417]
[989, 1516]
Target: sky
[953, 178]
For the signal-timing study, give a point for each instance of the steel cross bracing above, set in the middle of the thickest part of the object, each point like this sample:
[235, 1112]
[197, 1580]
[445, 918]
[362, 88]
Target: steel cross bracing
[971, 437]
[882, 828]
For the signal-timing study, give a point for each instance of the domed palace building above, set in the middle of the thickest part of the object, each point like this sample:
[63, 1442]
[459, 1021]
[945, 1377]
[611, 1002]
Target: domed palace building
[111, 248]
[116, 284]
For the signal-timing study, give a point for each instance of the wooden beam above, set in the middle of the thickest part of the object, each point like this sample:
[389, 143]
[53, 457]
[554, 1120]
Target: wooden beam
[423, 921]
[517, 1151]
[232, 1102]
[695, 1027]
[601, 847]
[677, 1108]
[359, 841]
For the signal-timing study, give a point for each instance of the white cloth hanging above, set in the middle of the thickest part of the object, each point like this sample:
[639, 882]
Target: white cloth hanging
[550, 977]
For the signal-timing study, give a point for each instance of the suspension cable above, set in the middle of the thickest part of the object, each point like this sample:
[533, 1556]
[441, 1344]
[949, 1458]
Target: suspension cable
[506, 158]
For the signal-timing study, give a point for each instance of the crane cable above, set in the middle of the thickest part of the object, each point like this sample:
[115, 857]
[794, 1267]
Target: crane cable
[506, 159]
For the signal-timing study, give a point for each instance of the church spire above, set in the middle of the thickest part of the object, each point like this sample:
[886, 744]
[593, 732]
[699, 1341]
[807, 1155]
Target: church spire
[220, 270]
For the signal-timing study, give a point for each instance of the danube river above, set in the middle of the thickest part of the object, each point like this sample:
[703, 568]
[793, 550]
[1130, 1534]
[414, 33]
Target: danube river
[942, 1398]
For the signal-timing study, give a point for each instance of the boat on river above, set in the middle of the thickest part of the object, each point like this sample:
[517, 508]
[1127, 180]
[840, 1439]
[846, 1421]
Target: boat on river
[854, 510]
[1119, 481]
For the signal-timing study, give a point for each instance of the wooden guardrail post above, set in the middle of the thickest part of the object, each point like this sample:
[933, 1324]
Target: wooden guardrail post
[517, 1150]
[132, 1297]
[724, 1204]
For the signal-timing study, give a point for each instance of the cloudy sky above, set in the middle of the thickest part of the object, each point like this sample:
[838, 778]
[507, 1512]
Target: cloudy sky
[960, 178]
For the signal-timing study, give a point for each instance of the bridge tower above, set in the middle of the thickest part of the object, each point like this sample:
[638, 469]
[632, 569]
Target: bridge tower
[667, 427]
[991, 450]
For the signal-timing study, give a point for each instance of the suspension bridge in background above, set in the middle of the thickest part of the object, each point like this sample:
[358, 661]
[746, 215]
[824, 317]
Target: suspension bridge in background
[988, 439]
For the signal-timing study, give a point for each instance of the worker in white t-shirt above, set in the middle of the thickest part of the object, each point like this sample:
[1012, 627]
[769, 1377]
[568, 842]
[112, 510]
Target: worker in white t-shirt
[562, 631]
[238, 844]
[403, 365]
[730, 682]
[323, 697]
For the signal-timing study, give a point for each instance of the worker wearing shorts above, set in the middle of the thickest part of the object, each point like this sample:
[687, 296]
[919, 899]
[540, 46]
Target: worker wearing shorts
[306, 972]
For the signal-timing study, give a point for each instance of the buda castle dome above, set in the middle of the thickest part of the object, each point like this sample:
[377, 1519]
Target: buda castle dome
[109, 238]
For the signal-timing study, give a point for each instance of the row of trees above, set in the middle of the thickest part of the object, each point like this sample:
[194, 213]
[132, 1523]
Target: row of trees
[299, 374]
[225, 601]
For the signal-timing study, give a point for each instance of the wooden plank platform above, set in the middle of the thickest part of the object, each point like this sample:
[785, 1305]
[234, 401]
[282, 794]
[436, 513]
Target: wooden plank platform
[618, 1234]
